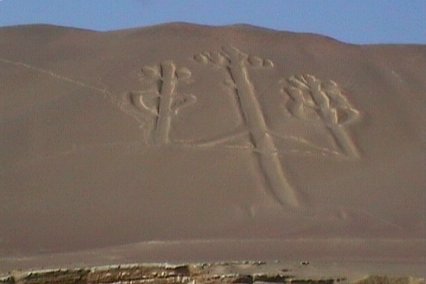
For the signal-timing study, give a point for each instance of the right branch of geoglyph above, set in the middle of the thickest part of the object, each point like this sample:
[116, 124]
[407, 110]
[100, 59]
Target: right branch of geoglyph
[155, 106]
[313, 100]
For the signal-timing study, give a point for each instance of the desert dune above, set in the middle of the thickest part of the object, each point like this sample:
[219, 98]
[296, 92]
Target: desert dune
[183, 143]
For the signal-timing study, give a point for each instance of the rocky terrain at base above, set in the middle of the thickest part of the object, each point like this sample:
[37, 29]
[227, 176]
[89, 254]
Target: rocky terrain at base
[247, 272]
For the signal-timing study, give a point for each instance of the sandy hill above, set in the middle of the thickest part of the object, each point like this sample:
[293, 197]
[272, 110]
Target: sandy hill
[184, 143]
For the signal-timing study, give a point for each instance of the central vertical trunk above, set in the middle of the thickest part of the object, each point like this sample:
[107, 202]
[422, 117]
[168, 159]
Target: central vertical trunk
[168, 85]
[267, 156]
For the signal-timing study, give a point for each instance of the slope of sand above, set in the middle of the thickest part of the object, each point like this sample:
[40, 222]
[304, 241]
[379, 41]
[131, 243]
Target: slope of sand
[186, 143]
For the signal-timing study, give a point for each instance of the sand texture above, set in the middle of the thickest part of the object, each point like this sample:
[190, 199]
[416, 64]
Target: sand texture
[183, 143]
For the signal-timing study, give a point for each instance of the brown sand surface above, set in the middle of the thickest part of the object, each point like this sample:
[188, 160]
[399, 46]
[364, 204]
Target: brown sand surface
[186, 143]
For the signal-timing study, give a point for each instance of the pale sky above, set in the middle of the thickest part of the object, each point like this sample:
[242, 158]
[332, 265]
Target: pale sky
[358, 21]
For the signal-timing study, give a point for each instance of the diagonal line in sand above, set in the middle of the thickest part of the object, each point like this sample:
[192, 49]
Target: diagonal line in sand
[56, 76]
